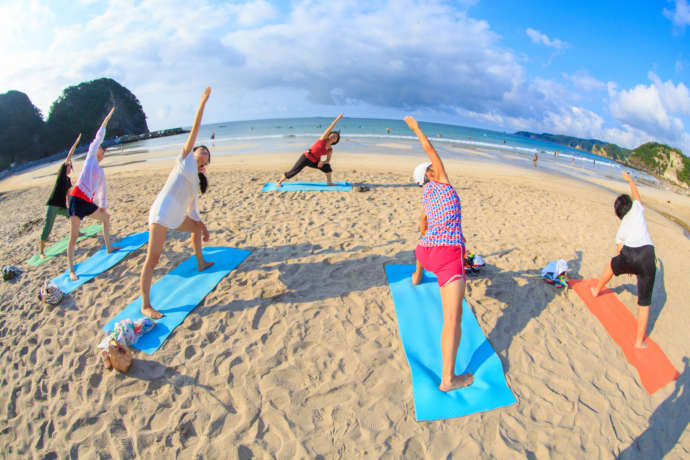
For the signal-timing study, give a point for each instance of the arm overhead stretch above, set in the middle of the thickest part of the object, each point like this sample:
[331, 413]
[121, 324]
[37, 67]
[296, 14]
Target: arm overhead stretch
[100, 134]
[331, 126]
[633, 189]
[72, 149]
[436, 163]
[189, 145]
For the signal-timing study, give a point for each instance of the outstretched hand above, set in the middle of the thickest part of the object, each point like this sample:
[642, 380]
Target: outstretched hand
[411, 122]
[626, 176]
[339, 117]
[205, 95]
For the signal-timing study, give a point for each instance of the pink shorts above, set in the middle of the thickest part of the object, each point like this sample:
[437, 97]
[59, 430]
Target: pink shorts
[446, 262]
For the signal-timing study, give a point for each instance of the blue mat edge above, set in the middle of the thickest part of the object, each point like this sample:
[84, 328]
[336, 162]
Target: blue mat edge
[321, 186]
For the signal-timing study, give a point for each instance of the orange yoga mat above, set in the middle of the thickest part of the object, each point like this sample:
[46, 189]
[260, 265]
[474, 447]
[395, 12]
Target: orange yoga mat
[651, 363]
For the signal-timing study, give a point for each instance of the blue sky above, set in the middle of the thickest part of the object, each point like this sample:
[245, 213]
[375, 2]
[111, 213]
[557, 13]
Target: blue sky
[616, 71]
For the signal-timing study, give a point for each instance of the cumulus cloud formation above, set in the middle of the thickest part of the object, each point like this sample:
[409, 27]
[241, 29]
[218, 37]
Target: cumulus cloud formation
[542, 39]
[680, 16]
[655, 110]
[427, 57]
[585, 82]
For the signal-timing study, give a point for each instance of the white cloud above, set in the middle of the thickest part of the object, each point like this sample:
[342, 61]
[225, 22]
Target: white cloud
[680, 17]
[655, 110]
[584, 82]
[542, 39]
[254, 13]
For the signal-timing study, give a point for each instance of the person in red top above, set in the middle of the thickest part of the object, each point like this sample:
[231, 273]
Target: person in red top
[312, 157]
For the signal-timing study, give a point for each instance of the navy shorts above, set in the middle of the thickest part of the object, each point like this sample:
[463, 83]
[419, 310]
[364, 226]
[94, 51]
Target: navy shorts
[641, 262]
[80, 207]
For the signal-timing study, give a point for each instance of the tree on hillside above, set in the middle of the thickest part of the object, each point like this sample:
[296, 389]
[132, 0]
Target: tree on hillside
[81, 108]
[21, 129]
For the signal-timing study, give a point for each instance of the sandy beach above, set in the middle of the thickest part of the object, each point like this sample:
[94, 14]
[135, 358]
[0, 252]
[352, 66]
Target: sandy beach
[296, 353]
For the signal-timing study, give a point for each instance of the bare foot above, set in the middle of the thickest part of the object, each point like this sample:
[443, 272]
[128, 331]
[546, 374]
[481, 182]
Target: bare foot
[641, 346]
[417, 277]
[106, 360]
[279, 184]
[113, 249]
[594, 291]
[330, 183]
[73, 276]
[204, 266]
[151, 312]
[458, 381]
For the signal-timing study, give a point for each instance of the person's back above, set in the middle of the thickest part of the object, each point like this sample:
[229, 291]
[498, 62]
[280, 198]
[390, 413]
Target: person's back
[635, 255]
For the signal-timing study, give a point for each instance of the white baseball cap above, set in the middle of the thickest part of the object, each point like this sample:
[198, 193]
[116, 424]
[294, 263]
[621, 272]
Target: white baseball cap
[419, 174]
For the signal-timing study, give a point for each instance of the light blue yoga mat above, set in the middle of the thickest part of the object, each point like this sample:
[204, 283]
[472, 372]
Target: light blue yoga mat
[179, 292]
[420, 318]
[306, 186]
[100, 262]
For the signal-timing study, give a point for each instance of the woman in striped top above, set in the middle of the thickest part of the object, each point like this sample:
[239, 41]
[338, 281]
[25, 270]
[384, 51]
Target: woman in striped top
[441, 250]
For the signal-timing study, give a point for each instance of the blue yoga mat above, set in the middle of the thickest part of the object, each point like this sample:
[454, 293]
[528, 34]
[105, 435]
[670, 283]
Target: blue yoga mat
[179, 292]
[420, 318]
[100, 262]
[306, 186]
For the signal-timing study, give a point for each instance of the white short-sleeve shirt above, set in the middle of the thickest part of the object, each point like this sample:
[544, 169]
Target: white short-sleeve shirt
[178, 198]
[633, 230]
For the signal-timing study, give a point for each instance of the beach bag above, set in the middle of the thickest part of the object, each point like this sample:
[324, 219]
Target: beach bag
[50, 293]
[473, 263]
[120, 356]
[10, 272]
[555, 273]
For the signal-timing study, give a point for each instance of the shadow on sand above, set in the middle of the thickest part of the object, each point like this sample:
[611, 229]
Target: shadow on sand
[536, 295]
[666, 425]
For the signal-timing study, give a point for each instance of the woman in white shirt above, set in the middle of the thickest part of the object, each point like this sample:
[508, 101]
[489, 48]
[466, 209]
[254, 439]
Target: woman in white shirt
[89, 198]
[176, 208]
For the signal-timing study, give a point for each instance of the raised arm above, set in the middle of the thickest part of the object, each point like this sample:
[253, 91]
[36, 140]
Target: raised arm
[436, 163]
[100, 134]
[72, 149]
[633, 189]
[331, 126]
[189, 145]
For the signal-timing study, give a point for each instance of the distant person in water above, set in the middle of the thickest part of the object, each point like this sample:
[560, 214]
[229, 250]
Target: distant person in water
[534, 160]
[213, 135]
[635, 256]
[177, 208]
[441, 250]
[89, 196]
[59, 197]
[313, 157]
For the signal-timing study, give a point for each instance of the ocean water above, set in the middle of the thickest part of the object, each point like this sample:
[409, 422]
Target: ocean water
[294, 135]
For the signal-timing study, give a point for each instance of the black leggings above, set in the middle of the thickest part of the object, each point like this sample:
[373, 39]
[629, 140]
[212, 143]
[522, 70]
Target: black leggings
[303, 162]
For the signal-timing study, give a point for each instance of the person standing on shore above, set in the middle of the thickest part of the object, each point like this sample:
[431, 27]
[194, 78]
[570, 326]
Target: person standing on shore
[59, 197]
[312, 157]
[441, 250]
[635, 255]
[88, 197]
[177, 208]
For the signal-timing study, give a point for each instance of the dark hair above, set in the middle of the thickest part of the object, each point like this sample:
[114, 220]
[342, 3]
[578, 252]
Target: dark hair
[203, 183]
[622, 205]
[338, 133]
[205, 148]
